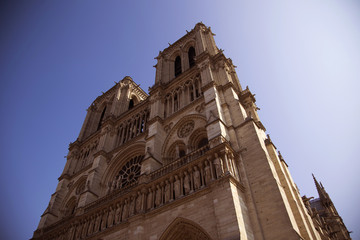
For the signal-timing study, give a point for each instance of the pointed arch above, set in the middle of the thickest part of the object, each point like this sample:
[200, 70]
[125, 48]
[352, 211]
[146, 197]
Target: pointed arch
[197, 118]
[182, 228]
[191, 56]
[120, 159]
[177, 66]
[73, 192]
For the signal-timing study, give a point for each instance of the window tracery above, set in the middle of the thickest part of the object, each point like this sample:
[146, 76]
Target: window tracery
[128, 174]
[182, 96]
[70, 207]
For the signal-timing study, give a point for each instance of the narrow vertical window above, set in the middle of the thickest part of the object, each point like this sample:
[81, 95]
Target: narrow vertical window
[191, 56]
[131, 104]
[175, 103]
[177, 66]
[101, 118]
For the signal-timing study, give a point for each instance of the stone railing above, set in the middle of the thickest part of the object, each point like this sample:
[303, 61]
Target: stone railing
[132, 126]
[179, 162]
[174, 181]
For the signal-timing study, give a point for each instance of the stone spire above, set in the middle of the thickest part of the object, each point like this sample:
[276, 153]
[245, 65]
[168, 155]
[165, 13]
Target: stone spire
[321, 191]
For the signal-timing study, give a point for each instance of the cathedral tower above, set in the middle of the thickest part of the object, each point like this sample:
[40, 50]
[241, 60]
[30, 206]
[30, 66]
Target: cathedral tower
[189, 160]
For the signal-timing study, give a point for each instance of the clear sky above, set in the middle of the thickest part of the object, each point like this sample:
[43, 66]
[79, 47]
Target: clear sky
[300, 58]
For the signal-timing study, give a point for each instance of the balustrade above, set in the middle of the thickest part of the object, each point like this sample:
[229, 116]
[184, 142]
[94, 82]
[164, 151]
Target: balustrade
[132, 127]
[174, 181]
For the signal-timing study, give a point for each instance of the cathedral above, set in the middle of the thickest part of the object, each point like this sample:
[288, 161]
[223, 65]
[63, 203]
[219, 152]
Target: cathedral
[190, 159]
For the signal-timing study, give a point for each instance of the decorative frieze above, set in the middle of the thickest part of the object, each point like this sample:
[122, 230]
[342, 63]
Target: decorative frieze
[172, 182]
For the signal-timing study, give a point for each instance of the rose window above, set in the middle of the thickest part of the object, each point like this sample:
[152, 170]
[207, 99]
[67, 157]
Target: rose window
[130, 172]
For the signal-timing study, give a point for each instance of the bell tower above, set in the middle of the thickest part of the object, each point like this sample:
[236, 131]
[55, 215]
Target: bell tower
[189, 160]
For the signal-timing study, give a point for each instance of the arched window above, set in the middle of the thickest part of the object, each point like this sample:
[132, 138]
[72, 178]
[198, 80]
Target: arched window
[203, 142]
[70, 207]
[101, 118]
[131, 104]
[130, 172]
[177, 66]
[191, 56]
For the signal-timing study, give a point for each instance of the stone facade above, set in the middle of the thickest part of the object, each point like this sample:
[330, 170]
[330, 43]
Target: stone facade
[189, 160]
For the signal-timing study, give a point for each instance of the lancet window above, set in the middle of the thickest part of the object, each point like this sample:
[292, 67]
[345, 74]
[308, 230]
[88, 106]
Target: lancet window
[191, 56]
[177, 66]
[70, 207]
[101, 118]
[182, 96]
[132, 127]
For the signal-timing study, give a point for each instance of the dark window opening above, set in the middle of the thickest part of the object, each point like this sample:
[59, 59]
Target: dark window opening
[181, 153]
[191, 55]
[177, 66]
[131, 104]
[175, 103]
[203, 142]
[101, 118]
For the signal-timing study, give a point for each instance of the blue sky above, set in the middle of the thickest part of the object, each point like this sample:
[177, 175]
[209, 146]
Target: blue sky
[300, 58]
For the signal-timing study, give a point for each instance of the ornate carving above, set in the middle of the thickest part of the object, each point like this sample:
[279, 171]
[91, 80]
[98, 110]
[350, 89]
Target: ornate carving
[129, 173]
[168, 127]
[200, 108]
[186, 129]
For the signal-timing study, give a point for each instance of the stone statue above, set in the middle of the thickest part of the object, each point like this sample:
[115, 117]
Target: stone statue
[84, 230]
[119, 181]
[177, 187]
[97, 223]
[138, 207]
[78, 231]
[113, 185]
[91, 226]
[103, 220]
[186, 183]
[167, 191]
[70, 235]
[118, 214]
[110, 218]
[125, 211]
[197, 181]
[218, 167]
[108, 188]
[158, 196]
[207, 173]
[132, 206]
[149, 199]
